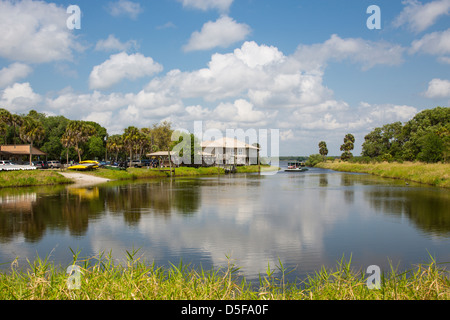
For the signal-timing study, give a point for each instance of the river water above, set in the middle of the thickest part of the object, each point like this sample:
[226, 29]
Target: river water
[302, 220]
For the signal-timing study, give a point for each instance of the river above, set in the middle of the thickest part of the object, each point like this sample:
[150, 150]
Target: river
[303, 220]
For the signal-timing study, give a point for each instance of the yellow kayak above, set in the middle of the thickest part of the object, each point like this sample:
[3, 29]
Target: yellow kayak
[83, 166]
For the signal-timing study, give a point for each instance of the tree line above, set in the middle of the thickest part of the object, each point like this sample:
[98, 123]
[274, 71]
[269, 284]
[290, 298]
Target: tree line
[426, 138]
[78, 140]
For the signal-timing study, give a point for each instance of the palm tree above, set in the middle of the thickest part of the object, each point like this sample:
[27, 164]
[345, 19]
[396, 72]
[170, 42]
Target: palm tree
[79, 132]
[348, 146]
[5, 120]
[114, 144]
[67, 142]
[323, 150]
[131, 138]
[31, 131]
[16, 121]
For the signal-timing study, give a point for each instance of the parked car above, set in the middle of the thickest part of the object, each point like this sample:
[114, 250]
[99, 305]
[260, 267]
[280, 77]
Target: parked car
[40, 164]
[136, 163]
[5, 163]
[54, 164]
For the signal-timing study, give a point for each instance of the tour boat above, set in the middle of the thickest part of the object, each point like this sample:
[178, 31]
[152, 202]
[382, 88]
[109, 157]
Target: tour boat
[296, 166]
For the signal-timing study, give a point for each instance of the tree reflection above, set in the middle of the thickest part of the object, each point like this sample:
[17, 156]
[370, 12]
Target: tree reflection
[30, 212]
[427, 208]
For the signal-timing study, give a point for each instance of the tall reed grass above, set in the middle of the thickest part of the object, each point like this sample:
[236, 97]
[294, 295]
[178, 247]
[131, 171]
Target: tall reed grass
[103, 278]
[436, 174]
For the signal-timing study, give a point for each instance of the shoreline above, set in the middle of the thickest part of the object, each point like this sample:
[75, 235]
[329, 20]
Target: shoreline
[14, 179]
[102, 278]
[433, 174]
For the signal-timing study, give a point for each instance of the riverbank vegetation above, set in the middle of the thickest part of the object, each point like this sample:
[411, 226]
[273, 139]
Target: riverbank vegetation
[31, 178]
[418, 150]
[103, 278]
[435, 174]
[424, 138]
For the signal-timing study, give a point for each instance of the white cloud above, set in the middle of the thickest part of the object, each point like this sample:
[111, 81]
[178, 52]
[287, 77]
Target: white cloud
[35, 32]
[435, 43]
[114, 44]
[438, 88]
[19, 97]
[125, 7]
[221, 33]
[367, 53]
[122, 66]
[420, 16]
[241, 111]
[221, 5]
[14, 72]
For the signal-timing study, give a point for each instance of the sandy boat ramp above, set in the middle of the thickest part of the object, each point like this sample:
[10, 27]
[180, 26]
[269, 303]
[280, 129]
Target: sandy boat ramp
[81, 179]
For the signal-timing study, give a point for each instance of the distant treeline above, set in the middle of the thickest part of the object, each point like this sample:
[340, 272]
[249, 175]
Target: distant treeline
[66, 139]
[426, 138]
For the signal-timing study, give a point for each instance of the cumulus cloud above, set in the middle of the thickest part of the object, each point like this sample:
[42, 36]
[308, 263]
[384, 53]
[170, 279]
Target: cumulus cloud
[125, 7]
[221, 5]
[122, 66]
[14, 72]
[435, 43]
[221, 33]
[367, 53]
[418, 17]
[35, 32]
[19, 97]
[114, 44]
[438, 88]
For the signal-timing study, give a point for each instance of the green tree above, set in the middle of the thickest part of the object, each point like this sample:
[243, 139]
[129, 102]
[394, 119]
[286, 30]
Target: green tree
[313, 160]
[161, 136]
[31, 131]
[5, 121]
[79, 132]
[347, 147]
[114, 144]
[95, 148]
[432, 148]
[130, 139]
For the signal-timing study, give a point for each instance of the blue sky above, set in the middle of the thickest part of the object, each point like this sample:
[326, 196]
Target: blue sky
[311, 69]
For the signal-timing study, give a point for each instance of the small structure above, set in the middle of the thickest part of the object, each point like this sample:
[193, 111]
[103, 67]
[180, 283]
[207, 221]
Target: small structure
[163, 157]
[19, 151]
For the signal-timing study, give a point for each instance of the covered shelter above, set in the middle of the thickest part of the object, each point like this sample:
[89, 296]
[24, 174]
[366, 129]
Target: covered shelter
[19, 151]
[163, 157]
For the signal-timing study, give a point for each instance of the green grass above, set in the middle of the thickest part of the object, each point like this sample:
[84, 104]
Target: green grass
[254, 169]
[144, 173]
[103, 278]
[435, 174]
[31, 178]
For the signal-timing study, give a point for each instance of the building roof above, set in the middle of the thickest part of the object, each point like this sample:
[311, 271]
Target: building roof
[161, 154]
[21, 149]
[227, 143]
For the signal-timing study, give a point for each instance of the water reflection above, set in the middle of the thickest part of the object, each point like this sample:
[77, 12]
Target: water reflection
[305, 220]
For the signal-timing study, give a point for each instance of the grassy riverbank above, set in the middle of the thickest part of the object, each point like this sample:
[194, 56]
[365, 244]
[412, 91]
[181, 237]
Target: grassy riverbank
[53, 177]
[31, 178]
[435, 174]
[101, 278]
[144, 173]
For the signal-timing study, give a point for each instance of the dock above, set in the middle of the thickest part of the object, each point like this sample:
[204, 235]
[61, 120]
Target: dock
[16, 167]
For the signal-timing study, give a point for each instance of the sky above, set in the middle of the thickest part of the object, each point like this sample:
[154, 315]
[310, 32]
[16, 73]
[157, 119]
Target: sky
[306, 70]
